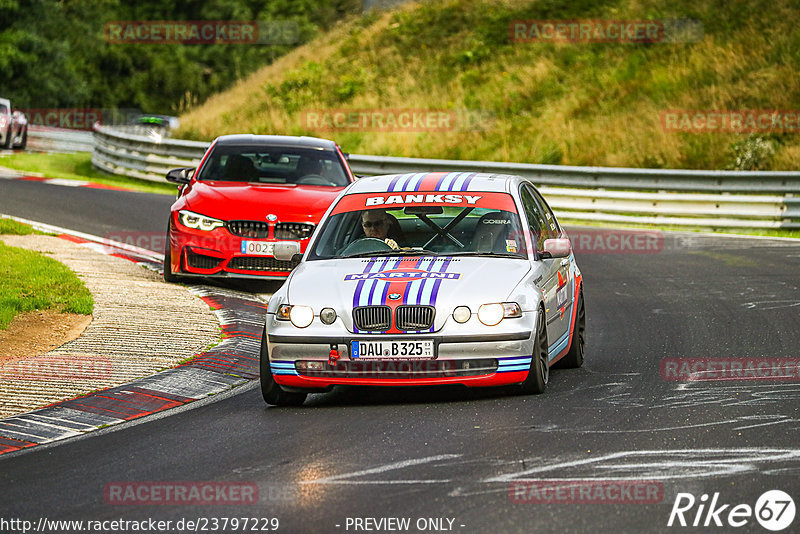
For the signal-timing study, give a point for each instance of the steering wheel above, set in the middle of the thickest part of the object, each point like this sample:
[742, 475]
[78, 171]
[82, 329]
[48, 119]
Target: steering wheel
[365, 244]
[313, 179]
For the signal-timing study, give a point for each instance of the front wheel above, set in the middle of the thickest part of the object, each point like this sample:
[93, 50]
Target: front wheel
[169, 277]
[539, 373]
[24, 142]
[271, 390]
[7, 142]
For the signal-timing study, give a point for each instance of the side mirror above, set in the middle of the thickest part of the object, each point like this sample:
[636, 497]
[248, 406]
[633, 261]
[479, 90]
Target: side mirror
[556, 248]
[286, 250]
[180, 176]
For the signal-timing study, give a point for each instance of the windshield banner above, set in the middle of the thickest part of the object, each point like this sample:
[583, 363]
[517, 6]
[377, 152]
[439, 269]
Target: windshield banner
[472, 199]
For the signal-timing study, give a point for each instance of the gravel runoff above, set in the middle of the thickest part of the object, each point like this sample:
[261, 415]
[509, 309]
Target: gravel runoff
[140, 325]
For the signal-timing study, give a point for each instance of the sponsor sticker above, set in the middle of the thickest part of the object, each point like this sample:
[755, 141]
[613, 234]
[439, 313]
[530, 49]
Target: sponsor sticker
[404, 275]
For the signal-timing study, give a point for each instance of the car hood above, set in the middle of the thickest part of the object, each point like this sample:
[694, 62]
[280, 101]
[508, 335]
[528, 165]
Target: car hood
[238, 200]
[445, 283]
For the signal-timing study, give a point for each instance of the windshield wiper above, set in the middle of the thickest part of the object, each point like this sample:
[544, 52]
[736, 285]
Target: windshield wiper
[400, 252]
[487, 254]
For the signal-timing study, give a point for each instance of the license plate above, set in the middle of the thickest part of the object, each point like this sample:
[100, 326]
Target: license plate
[258, 248]
[394, 349]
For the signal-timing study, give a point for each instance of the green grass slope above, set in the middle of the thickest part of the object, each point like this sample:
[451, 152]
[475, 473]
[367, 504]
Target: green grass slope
[560, 103]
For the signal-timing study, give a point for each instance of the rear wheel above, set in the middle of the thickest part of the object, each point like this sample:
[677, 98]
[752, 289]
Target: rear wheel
[574, 357]
[539, 373]
[24, 141]
[271, 390]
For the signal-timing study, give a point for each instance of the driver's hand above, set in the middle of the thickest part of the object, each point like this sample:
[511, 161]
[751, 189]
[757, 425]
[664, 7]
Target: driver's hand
[392, 243]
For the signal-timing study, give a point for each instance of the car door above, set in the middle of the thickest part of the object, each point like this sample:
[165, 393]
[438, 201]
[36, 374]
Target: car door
[565, 287]
[549, 283]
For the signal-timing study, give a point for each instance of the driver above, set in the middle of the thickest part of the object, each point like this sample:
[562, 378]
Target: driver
[376, 225]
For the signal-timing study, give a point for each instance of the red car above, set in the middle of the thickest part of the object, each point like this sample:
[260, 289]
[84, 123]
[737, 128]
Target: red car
[249, 192]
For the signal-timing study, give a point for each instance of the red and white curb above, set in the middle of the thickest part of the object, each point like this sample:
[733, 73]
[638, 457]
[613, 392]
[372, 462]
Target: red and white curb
[11, 174]
[230, 364]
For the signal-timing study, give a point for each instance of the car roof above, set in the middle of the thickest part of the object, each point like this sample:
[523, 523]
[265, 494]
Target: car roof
[437, 181]
[276, 140]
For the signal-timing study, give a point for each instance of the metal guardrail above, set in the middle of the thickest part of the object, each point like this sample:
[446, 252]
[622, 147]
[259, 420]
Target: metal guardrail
[723, 199]
[49, 139]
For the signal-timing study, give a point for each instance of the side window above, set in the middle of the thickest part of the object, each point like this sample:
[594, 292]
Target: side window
[536, 221]
[552, 224]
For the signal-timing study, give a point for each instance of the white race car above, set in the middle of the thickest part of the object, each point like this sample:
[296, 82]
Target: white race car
[426, 278]
[13, 127]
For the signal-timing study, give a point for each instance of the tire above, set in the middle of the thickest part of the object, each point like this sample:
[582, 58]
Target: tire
[168, 276]
[24, 142]
[7, 142]
[539, 373]
[574, 356]
[271, 391]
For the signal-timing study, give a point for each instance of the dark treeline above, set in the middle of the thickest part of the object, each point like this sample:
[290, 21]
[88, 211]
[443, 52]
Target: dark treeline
[53, 53]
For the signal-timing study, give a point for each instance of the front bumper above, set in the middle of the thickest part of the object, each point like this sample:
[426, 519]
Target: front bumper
[471, 360]
[218, 253]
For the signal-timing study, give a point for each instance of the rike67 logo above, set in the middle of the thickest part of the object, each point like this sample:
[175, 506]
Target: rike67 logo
[774, 510]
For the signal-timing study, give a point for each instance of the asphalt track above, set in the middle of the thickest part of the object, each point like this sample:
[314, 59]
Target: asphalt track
[453, 453]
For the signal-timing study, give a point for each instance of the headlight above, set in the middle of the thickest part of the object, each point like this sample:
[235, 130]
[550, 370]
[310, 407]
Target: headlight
[492, 314]
[199, 222]
[327, 315]
[300, 316]
[462, 314]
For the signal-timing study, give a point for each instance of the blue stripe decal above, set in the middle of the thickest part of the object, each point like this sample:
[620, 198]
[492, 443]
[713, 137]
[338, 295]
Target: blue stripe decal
[558, 346]
[447, 185]
[394, 181]
[403, 182]
[465, 187]
[413, 183]
[360, 287]
[283, 368]
[458, 185]
[419, 184]
[515, 364]
[515, 360]
[441, 181]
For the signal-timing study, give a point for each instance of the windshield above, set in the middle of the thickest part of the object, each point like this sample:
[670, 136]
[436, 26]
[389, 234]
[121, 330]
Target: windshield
[479, 224]
[274, 165]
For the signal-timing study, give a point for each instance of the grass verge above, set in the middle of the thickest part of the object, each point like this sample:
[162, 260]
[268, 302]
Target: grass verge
[78, 166]
[31, 281]
[12, 227]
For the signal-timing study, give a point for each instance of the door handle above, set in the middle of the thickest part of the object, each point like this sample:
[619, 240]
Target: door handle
[565, 262]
